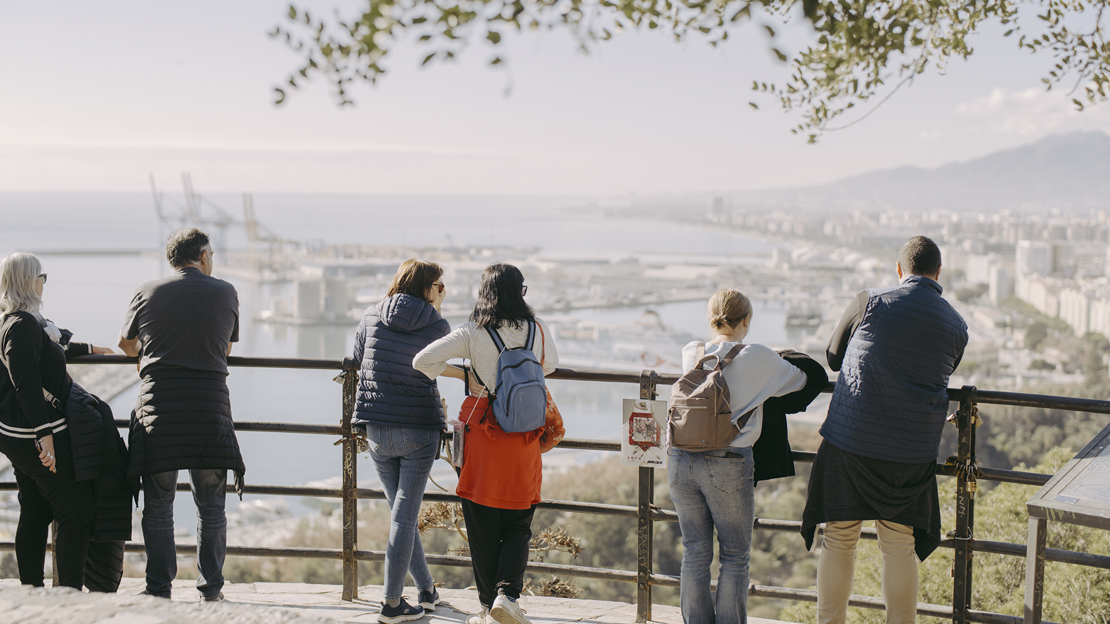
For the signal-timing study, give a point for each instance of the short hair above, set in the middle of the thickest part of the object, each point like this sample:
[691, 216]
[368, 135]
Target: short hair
[186, 246]
[727, 308]
[18, 273]
[414, 277]
[919, 256]
[501, 298]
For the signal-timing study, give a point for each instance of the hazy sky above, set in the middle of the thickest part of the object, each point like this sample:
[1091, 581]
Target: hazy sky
[96, 97]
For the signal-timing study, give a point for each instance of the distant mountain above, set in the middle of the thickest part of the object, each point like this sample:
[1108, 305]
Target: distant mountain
[1067, 170]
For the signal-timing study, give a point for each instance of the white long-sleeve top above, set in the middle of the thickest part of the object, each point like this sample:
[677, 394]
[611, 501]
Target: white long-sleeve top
[473, 343]
[755, 375]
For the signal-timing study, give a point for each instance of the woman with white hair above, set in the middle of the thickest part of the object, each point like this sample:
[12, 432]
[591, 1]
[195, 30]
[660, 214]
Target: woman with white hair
[33, 434]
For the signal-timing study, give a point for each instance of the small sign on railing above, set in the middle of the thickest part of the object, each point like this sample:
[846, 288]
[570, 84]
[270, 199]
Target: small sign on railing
[644, 433]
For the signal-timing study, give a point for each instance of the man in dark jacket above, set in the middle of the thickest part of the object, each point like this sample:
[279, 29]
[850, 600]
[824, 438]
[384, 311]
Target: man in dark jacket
[182, 327]
[895, 349]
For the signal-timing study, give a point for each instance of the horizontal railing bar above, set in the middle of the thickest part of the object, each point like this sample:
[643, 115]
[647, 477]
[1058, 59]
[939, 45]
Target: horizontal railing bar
[1013, 476]
[1050, 554]
[272, 427]
[234, 361]
[981, 396]
[994, 397]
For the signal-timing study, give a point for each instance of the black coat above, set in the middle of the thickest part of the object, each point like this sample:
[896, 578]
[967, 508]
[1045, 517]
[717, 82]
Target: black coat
[771, 452]
[183, 420]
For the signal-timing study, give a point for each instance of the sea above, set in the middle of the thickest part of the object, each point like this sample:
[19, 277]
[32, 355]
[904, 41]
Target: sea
[88, 244]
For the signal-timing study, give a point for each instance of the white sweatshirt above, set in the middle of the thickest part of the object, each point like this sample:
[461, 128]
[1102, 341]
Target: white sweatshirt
[757, 374]
[469, 342]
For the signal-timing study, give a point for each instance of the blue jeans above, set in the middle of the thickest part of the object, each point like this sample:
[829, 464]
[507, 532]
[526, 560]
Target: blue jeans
[403, 457]
[711, 490]
[210, 496]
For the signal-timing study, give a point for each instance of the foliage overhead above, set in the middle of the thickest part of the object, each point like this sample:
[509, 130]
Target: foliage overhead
[859, 48]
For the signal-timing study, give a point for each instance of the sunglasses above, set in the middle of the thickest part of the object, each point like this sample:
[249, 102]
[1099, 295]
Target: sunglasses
[43, 276]
[439, 285]
[523, 290]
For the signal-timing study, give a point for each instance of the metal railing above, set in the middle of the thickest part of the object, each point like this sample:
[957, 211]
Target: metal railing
[966, 471]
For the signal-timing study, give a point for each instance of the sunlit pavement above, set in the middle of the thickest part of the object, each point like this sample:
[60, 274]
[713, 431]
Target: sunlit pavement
[286, 603]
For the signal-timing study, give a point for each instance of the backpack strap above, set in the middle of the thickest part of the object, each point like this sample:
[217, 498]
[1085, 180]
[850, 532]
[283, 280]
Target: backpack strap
[730, 356]
[496, 337]
[530, 341]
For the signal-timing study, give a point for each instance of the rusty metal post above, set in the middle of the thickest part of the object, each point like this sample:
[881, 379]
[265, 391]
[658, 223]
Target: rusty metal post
[349, 378]
[967, 419]
[644, 526]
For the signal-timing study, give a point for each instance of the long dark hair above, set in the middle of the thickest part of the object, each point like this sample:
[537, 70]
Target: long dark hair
[499, 298]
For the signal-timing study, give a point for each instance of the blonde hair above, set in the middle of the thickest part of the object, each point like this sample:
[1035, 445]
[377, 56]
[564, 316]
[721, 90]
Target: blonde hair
[727, 308]
[18, 273]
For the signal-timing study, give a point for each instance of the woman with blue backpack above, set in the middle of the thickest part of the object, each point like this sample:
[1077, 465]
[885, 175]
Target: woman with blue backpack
[402, 415]
[510, 350]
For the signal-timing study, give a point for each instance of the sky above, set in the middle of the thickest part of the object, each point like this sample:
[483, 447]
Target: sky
[98, 97]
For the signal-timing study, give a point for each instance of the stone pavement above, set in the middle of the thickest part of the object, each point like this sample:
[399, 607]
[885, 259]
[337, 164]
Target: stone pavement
[282, 603]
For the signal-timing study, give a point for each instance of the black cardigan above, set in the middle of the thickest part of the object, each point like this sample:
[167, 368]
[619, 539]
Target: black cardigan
[29, 362]
[771, 452]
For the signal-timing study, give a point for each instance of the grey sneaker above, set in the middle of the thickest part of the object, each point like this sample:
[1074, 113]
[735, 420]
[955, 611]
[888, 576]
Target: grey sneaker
[506, 611]
[217, 598]
[428, 599]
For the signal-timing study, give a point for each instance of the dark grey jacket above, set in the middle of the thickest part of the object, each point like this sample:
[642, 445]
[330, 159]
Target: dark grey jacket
[895, 349]
[390, 391]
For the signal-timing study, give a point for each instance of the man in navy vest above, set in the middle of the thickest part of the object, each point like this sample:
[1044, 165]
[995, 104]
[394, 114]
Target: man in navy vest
[895, 349]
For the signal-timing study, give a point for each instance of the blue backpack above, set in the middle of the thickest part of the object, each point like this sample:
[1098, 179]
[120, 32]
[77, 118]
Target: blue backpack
[519, 397]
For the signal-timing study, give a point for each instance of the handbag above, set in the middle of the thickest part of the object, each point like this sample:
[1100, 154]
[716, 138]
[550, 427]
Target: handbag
[553, 429]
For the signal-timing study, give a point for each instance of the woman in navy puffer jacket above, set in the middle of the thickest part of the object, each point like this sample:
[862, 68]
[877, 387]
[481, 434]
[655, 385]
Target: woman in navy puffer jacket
[401, 412]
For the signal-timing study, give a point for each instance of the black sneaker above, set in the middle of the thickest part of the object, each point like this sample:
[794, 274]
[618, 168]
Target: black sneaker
[428, 599]
[217, 598]
[403, 612]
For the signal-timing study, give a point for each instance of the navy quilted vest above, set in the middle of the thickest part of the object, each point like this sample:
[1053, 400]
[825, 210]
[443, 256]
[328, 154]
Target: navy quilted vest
[390, 391]
[890, 401]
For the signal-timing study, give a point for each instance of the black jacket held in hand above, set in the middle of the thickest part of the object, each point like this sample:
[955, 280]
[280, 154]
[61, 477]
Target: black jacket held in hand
[771, 452]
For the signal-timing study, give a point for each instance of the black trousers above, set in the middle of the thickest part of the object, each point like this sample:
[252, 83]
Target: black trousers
[44, 497]
[498, 548]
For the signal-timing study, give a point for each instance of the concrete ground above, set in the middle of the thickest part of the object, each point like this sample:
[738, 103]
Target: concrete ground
[282, 603]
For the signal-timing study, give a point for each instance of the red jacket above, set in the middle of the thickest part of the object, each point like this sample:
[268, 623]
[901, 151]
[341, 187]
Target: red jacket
[501, 470]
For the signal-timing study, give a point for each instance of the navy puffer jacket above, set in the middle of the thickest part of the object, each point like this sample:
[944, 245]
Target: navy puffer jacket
[390, 391]
[891, 399]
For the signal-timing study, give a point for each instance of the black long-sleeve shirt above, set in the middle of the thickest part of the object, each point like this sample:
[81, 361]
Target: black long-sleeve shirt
[29, 362]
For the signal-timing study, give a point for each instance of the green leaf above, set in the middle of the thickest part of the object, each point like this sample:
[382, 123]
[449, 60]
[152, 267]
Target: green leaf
[428, 59]
[494, 37]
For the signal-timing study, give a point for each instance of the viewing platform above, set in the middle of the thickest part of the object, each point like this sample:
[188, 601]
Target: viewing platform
[284, 603]
[961, 552]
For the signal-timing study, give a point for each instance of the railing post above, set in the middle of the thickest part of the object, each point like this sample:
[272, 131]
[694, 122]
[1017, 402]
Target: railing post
[350, 482]
[644, 526]
[967, 419]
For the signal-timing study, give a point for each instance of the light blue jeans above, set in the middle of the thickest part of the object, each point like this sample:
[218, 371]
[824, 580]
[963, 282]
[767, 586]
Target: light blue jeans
[711, 490]
[403, 457]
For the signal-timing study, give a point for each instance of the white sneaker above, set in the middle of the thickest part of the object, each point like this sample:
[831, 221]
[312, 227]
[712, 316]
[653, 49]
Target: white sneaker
[481, 618]
[506, 611]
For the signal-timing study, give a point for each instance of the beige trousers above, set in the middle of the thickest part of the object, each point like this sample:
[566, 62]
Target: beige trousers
[835, 567]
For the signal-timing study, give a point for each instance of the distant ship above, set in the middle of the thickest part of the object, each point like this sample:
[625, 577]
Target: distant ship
[644, 344]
